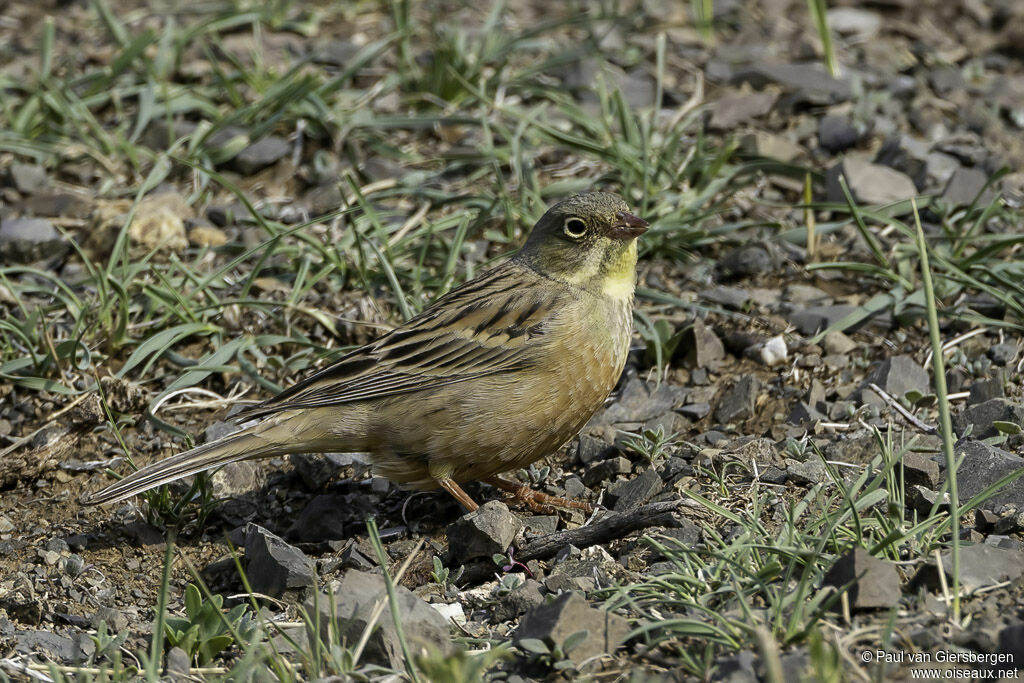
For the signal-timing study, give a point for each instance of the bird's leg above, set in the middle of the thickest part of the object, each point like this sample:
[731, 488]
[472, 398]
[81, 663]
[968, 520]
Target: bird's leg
[536, 500]
[451, 487]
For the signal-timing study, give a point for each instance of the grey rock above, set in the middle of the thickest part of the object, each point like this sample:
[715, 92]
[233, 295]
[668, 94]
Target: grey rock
[695, 411]
[1011, 642]
[518, 601]
[235, 479]
[1002, 354]
[939, 169]
[837, 342]
[320, 520]
[317, 469]
[261, 154]
[837, 133]
[738, 401]
[27, 239]
[605, 470]
[874, 583]
[983, 416]
[732, 110]
[179, 664]
[907, 155]
[812, 319]
[769, 146]
[810, 472]
[483, 532]
[60, 648]
[920, 469]
[590, 449]
[896, 376]
[626, 495]
[984, 565]
[983, 466]
[275, 567]
[28, 178]
[352, 601]
[966, 185]
[773, 475]
[946, 80]
[582, 570]
[729, 297]
[567, 614]
[336, 52]
[745, 261]
[869, 183]
[923, 499]
[115, 620]
[985, 390]
[701, 347]
[641, 401]
[809, 80]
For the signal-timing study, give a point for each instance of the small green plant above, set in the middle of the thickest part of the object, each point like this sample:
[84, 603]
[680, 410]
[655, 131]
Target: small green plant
[553, 657]
[462, 667]
[653, 445]
[206, 630]
[533, 475]
[443, 575]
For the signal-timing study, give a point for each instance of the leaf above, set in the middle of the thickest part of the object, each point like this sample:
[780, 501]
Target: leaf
[573, 640]
[537, 647]
[193, 601]
[159, 343]
[1007, 427]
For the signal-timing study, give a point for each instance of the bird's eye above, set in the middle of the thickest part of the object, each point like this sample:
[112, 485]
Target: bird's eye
[574, 227]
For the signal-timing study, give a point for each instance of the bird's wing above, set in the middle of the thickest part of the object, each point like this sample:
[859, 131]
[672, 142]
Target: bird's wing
[493, 324]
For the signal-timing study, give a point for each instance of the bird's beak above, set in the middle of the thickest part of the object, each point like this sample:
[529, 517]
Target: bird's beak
[627, 227]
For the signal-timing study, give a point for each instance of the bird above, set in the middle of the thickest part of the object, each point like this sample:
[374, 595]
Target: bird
[492, 376]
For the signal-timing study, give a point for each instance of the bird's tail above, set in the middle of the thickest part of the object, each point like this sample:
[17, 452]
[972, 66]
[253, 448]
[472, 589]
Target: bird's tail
[258, 441]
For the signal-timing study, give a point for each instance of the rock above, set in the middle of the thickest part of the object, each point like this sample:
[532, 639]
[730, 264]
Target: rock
[590, 449]
[626, 495]
[701, 347]
[273, 566]
[57, 647]
[1002, 354]
[235, 479]
[738, 402]
[582, 570]
[1011, 643]
[923, 500]
[809, 472]
[837, 342]
[317, 469]
[207, 236]
[353, 600]
[980, 566]
[770, 146]
[56, 204]
[518, 601]
[966, 185]
[855, 22]
[906, 154]
[983, 466]
[981, 418]
[871, 184]
[179, 664]
[946, 80]
[606, 470]
[732, 110]
[745, 261]
[335, 52]
[921, 470]
[261, 154]
[896, 376]
[774, 351]
[809, 80]
[23, 240]
[28, 178]
[874, 583]
[730, 297]
[837, 133]
[813, 319]
[695, 411]
[320, 520]
[568, 614]
[642, 401]
[483, 532]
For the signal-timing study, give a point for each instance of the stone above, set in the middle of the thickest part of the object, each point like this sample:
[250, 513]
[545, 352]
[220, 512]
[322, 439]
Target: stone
[483, 532]
[813, 319]
[318, 469]
[274, 567]
[235, 479]
[984, 465]
[23, 240]
[809, 472]
[966, 186]
[321, 519]
[568, 614]
[873, 583]
[980, 566]
[896, 375]
[28, 178]
[627, 495]
[770, 146]
[774, 351]
[809, 80]
[179, 664]
[738, 401]
[985, 390]
[642, 401]
[752, 259]
[260, 154]
[590, 449]
[729, 297]
[981, 418]
[837, 342]
[518, 601]
[695, 411]
[869, 183]
[350, 604]
[920, 469]
[837, 133]
[606, 470]
[734, 109]
[853, 21]
[207, 236]
[1002, 354]
[701, 347]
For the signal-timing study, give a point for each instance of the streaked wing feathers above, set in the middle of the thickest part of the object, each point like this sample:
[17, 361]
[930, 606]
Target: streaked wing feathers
[490, 325]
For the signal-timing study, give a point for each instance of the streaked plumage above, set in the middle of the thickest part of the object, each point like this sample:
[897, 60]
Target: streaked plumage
[491, 377]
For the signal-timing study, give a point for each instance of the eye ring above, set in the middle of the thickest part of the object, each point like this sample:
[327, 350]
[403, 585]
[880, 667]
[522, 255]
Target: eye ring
[574, 227]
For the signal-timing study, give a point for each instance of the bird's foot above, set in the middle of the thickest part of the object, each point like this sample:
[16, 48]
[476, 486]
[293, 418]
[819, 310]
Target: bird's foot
[537, 501]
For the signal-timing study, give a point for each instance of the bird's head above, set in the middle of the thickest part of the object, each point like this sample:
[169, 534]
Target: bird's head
[588, 240]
